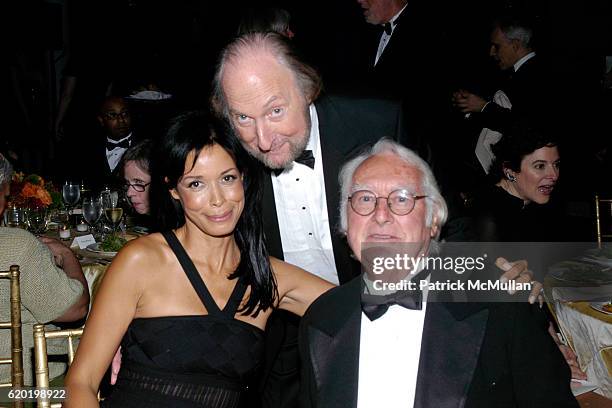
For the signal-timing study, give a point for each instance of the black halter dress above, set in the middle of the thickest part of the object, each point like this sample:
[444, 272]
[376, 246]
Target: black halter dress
[188, 361]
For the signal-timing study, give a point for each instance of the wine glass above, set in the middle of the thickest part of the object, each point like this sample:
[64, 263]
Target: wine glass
[37, 220]
[112, 210]
[71, 193]
[92, 210]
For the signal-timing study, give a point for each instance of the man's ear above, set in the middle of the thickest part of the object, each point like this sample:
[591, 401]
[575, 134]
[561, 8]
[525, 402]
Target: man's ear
[435, 228]
[100, 120]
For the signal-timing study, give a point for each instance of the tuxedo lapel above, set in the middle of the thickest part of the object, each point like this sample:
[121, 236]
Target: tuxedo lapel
[335, 136]
[272, 231]
[333, 346]
[449, 354]
[399, 38]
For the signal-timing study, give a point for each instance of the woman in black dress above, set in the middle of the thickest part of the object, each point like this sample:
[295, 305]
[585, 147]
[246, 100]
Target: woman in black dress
[189, 305]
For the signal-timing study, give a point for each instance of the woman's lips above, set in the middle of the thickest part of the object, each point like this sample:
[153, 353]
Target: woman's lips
[546, 189]
[221, 217]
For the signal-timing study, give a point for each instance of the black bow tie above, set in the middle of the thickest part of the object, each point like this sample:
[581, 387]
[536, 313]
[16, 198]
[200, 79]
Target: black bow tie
[388, 28]
[125, 144]
[306, 158]
[375, 306]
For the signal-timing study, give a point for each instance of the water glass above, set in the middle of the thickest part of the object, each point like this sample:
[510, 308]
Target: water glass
[37, 220]
[15, 217]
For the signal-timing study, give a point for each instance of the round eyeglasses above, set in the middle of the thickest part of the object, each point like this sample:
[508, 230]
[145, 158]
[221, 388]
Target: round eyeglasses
[400, 202]
[137, 187]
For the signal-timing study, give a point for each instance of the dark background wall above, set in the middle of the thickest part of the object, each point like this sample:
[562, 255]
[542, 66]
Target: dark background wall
[175, 43]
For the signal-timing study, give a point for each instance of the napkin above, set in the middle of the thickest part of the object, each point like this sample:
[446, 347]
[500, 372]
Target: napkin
[582, 386]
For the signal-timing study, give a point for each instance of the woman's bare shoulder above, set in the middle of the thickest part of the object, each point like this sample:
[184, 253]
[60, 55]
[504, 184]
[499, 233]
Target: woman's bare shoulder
[146, 253]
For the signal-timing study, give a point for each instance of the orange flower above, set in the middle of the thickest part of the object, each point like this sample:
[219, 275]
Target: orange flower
[44, 196]
[32, 191]
[28, 190]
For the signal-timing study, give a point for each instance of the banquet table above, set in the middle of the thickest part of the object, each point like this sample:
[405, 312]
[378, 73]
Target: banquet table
[94, 264]
[584, 324]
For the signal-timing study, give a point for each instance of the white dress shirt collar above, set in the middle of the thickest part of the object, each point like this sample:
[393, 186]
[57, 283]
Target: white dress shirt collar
[113, 141]
[523, 60]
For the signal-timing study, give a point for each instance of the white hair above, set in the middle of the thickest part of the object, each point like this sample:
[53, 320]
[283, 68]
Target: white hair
[436, 206]
[515, 29]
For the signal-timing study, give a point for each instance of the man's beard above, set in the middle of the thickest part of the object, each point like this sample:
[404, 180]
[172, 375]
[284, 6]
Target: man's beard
[296, 146]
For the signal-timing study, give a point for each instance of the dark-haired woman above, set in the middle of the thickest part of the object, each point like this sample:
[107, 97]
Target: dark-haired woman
[514, 206]
[190, 303]
[136, 173]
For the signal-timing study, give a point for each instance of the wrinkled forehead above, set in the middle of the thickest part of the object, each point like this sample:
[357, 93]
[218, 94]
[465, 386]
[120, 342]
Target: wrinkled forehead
[253, 70]
[386, 172]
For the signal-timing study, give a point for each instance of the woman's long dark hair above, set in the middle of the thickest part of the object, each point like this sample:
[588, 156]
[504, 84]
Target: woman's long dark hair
[195, 131]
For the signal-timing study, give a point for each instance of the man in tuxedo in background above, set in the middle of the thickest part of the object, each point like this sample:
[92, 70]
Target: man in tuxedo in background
[405, 56]
[360, 347]
[271, 99]
[387, 14]
[525, 93]
[115, 137]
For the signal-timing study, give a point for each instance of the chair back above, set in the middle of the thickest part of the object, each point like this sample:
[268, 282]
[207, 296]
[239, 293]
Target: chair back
[41, 363]
[603, 219]
[16, 357]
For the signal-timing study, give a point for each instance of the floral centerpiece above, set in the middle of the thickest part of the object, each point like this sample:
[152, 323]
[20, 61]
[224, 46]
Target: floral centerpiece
[33, 191]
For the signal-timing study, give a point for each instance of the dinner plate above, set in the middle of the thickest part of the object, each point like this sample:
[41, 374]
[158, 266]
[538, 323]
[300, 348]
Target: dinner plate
[96, 248]
[581, 272]
[599, 306]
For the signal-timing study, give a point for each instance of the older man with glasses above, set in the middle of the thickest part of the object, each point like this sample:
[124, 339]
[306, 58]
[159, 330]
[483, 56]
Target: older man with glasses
[364, 347]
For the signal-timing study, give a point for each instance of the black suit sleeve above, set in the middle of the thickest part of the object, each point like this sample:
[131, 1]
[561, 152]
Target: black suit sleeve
[520, 365]
[306, 374]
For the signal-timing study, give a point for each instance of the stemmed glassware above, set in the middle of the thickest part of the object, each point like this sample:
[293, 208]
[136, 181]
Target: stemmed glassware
[37, 220]
[71, 192]
[112, 210]
[92, 210]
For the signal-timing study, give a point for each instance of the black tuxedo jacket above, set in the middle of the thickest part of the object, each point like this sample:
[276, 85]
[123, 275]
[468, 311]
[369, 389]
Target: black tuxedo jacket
[95, 169]
[529, 94]
[412, 67]
[472, 355]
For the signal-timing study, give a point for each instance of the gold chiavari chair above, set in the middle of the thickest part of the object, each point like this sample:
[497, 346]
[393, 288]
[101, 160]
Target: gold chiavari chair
[603, 218]
[16, 357]
[41, 359]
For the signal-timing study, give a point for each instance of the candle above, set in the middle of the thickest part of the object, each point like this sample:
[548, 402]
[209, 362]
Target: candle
[64, 232]
[81, 227]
